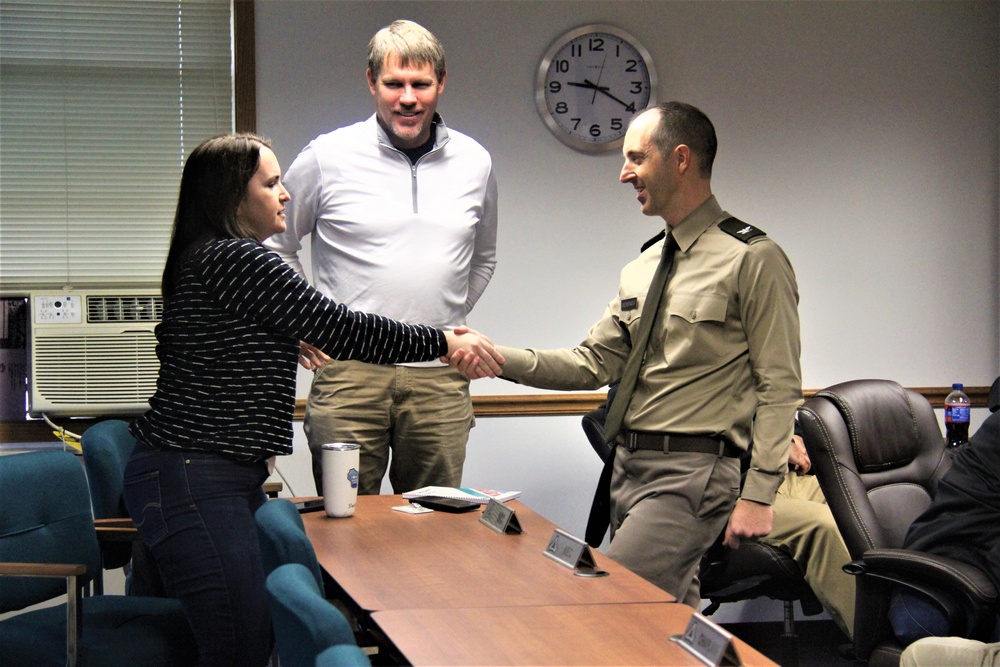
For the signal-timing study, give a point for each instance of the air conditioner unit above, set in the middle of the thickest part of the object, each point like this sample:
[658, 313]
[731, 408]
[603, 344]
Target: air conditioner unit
[92, 352]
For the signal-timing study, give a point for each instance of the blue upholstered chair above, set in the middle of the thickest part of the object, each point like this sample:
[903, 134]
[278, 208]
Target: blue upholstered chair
[48, 546]
[306, 624]
[106, 448]
[283, 538]
[341, 655]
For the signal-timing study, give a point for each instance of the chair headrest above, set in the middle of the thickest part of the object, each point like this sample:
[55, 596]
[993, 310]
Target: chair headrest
[881, 421]
[107, 447]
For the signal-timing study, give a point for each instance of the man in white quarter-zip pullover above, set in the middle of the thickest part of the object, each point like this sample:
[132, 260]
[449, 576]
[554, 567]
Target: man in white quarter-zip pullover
[403, 215]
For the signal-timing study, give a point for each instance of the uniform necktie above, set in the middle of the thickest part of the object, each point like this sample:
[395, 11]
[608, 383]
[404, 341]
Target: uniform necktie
[600, 510]
[616, 411]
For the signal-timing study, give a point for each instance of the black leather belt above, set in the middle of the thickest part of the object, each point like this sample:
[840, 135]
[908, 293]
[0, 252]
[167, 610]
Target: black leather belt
[666, 443]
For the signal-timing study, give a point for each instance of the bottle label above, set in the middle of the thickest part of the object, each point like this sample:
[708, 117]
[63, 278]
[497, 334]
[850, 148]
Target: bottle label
[954, 414]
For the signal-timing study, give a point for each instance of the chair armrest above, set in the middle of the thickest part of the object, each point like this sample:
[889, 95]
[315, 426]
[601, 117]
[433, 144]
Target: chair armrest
[964, 593]
[115, 530]
[60, 570]
[73, 573]
[919, 569]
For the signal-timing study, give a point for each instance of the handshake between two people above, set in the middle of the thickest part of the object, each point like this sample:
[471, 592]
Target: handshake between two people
[469, 352]
[472, 354]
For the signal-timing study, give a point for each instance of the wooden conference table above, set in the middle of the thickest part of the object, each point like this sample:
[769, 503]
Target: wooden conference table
[446, 589]
[580, 634]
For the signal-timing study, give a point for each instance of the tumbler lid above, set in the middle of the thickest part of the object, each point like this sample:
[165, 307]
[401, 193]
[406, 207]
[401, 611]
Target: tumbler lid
[342, 446]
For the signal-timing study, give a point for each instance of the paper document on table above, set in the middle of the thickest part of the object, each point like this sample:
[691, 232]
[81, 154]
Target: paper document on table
[481, 496]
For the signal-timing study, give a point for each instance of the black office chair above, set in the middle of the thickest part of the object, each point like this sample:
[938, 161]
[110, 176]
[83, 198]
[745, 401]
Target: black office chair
[757, 570]
[731, 575]
[878, 453]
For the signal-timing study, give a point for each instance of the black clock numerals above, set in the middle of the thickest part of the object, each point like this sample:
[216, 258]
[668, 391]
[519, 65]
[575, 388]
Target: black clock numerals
[595, 130]
[593, 44]
[590, 84]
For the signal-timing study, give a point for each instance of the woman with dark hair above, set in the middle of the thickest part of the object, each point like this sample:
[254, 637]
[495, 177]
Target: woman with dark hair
[234, 314]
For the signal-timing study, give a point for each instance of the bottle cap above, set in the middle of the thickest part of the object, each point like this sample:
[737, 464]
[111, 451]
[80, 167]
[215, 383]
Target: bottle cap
[958, 386]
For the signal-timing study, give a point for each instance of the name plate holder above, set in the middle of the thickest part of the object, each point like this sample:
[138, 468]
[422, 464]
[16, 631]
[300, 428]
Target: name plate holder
[708, 642]
[573, 553]
[500, 518]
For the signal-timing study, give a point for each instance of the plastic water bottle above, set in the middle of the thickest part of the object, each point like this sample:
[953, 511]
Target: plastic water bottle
[956, 416]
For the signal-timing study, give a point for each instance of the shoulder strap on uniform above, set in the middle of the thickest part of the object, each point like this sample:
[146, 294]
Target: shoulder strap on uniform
[740, 230]
[653, 240]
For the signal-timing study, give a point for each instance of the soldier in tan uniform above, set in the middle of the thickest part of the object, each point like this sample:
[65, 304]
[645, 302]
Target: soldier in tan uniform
[721, 365]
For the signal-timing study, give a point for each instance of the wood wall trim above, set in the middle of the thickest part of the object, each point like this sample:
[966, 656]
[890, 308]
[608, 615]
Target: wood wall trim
[546, 405]
[244, 66]
[504, 405]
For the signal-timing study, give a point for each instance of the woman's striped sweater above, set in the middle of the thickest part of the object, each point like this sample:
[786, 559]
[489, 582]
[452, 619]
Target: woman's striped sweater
[228, 347]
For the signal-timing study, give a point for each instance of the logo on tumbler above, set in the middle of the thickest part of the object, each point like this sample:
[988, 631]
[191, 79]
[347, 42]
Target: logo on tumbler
[352, 477]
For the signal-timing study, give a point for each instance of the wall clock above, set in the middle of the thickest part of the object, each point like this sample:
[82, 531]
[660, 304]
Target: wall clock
[590, 83]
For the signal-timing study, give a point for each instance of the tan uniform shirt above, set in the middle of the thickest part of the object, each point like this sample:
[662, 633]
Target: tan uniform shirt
[723, 357]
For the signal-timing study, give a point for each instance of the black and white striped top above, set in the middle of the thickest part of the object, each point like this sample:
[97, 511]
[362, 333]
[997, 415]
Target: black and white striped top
[228, 348]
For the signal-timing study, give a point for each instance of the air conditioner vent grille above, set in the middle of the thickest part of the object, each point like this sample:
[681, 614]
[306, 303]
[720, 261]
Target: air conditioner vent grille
[93, 352]
[96, 369]
[107, 309]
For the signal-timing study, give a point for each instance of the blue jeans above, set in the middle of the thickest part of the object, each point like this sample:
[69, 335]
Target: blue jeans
[195, 512]
[914, 616]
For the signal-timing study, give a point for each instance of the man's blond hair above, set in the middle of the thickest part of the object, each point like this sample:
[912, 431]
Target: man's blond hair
[410, 42]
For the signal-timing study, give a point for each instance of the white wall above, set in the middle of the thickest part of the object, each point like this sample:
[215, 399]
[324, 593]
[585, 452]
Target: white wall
[862, 136]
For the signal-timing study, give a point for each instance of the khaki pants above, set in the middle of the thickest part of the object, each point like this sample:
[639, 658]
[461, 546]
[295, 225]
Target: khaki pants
[421, 415]
[950, 651]
[805, 528]
[666, 511]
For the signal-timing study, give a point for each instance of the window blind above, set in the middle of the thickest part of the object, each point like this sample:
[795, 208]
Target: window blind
[100, 104]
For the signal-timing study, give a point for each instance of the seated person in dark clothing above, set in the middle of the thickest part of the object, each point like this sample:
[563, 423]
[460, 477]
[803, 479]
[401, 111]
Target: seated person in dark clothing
[962, 522]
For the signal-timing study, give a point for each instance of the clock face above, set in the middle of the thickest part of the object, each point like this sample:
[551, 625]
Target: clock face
[590, 83]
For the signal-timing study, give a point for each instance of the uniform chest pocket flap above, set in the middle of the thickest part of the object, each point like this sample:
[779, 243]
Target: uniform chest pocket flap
[698, 307]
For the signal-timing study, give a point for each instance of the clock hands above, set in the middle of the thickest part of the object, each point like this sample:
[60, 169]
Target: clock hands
[590, 85]
[593, 98]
